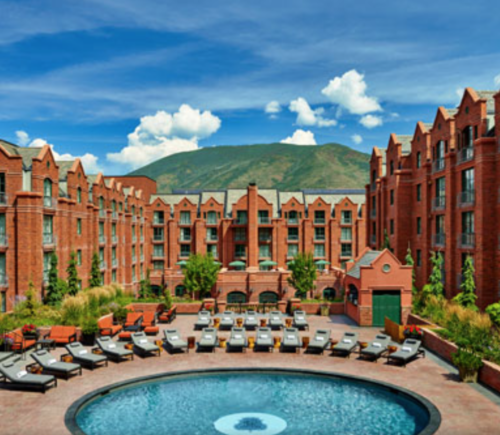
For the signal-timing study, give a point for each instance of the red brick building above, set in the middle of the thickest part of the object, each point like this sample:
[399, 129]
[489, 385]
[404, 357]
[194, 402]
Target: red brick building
[439, 190]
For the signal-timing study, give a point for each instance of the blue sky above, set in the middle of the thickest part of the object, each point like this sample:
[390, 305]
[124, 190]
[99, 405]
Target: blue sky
[81, 75]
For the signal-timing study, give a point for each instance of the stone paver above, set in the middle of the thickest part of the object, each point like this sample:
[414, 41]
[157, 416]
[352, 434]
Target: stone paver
[464, 410]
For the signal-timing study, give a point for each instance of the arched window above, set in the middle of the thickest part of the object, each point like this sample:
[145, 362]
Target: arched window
[156, 289]
[180, 291]
[268, 298]
[47, 192]
[329, 294]
[236, 298]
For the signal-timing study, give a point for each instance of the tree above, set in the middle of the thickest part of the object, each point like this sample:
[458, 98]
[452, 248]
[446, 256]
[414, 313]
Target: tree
[410, 262]
[304, 273]
[387, 243]
[54, 295]
[145, 286]
[31, 299]
[467, 297]
[73, 280]
[435, 285]
[200, 274]
[95, 271]
[167, 299]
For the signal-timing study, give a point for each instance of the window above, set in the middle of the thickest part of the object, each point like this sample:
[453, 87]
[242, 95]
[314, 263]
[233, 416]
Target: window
[212, 234]
[346, 250]
[346, 234]
[264, 251]
[3, 306]
[319, 217]
[391, 226]
[212, 249]
[419, 192]
[263, 216]
[158, 251]
[158, 234]
[2, 183]
[185, 218]
[3, 235]
[419, 225]
[265, 235]
[46, 265]
[319, 251]
[211, 217]
[113, 230]
[468, 138]
[419, 257]
[47, 188]
[392, 167]
[468, 222]
[440, 224]
[293, 233]
[374, 203]
[79, 226]
[113, 206]
[241, 217]
[391, 197]
[468, 180]
[101, 229]
[113, 254]
[158, 265]
[185, 250]
[90, 194]
[79, 257]
[240, 234]
[240, 251]
[293, 217]
[419, 160]
[185, 234]
[113, 276]
[158, 217]
[79, 195]
[319, 233]
[346, 217]
[47, 225]
[293, 250]
[440, 187]
[101, 203]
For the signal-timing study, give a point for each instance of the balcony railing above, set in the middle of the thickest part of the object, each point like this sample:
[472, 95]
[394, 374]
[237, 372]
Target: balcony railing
[466, 240]
[4, 240]
[319, 237]
[102, 213]
[346, 221]
[240, 221]
[465, 154]
[185, 238]
[293, 221]
[466, 198]
[212, 238]
[3, 198]
[265, 238]
[264, 220]
[49, 239]
[240, 238]
[49, 202]
[438, 239]
[158, 238]
[373, 213]
[158, 221]
[293, 237]
[102, 240]
[4, 280]
[439, 203]
[438, 165]
[319, 221]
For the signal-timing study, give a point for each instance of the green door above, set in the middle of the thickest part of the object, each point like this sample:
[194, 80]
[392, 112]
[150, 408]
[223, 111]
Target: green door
[386, 304]
[236, 298]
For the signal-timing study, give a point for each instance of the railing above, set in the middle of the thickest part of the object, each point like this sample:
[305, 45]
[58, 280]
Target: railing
[185, 238]
[465, 154]
[293, 237]
[438, 165]
[438, 239]
[49, 202]
[212, 221]
[373, 213]
[346, 238]
[49, 239]
[319, 221]
[102, 265]
[345, 221]
[439, 203]
[185, 222]
[263, 220]
[3, 198]
[240, 221]
[212, 238]
[102, 213]
[466, 198]
[319, 237]
[4, 240]
[4, 280]
[158, 238]
[158, 221]
[102, 239]
[240, 238]
[466, 240]
[293, 221]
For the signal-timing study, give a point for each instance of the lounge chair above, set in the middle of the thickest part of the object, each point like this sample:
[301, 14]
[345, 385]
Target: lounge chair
[291, 340]
[299, 320]
[107, 327]
[51, 366]
[168, 316]
[208, 340]
[173, 340]
[113, 350]
[251, 321]
[19, 343]
[264, 339]
[227, 320]
[410, 350]
[143, 346]
[376, 348]
[133, 322]
[84, 356]
[203, 320]
[347, 344]
[320, 341]
[275, 320]
[14, 375]
[62, 334]
[149, 326]
[237, 339]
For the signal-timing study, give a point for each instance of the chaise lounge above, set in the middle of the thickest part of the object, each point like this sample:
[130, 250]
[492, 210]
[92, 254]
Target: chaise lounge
[173, 341]
[82, 356]
[227, 320]
[13, 375]
[347, 344]
[264, 339]
[143, 346]
[320, 341]
[251, 321]
[208, 340]
[376, 348]
[133, 322]
[291, 340]
[113, 350]
[203, 320]
[107, 327]
[275, 320]
[237, 340]
[168, 316]
[300, 320]
[410, 350]
[51, 366]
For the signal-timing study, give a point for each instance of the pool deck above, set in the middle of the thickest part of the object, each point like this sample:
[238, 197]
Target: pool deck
[465, 409]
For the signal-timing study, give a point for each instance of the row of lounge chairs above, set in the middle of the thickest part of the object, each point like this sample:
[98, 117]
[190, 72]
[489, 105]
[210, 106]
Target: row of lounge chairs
[251, 320]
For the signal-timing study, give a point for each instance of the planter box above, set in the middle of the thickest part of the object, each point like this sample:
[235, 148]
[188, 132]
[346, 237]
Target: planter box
[315, 307]
[413, 319]
[188, 308]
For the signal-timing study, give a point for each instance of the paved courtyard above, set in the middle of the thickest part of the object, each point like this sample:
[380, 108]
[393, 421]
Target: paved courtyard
[464, 409]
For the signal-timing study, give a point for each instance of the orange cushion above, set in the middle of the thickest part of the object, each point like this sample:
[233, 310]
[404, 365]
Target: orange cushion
[152, 330]
[125, 335]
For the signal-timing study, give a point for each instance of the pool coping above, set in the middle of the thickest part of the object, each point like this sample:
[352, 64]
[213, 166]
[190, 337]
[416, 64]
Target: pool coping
[71, 413]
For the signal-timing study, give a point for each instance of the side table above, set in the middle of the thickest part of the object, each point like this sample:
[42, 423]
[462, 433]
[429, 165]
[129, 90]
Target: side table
[46, 343]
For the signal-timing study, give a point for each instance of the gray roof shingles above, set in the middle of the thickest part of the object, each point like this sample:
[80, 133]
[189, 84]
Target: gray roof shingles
[365, 260]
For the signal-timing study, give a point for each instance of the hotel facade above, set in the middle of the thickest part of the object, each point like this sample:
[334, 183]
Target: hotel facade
[438, 190]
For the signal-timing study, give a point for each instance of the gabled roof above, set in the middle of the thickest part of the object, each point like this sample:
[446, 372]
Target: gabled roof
[64, 167]
[490, 101]
[405, 141]
[366, 260]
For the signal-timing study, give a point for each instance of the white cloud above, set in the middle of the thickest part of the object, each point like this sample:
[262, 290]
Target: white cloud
[307, 116]
[89, 161]
[497, 80]
[349, 91]
[357, 139]
[163, 134]
[300, 137]
[22, 138]
[273, 107]
[371, 121]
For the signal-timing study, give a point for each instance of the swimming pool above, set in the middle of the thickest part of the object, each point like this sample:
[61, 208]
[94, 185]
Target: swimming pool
[252, 402]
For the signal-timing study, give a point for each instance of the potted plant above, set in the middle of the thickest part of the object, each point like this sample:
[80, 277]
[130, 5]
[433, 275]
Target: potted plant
[90, 328]
[413, 331]
[294, 307]
[324, 308]
[29, 331]
[468, 364]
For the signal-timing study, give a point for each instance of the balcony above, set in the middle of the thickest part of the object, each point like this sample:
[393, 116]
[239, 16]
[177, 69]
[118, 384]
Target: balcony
[49, 202]
[49, 239]
[438, 203]
[438, 165]
[264, 220]
[373, 213]
[102, 239]
[102, 213]
[293, 237]
[466, 198]
[293, 221]
[240, 221]
[4, 280]
[465, 154]
[466, 240]
[438, 239]
[3, 198]
[4, 240]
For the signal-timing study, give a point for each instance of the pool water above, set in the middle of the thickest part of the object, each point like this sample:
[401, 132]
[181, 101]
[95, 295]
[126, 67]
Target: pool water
[250, 403]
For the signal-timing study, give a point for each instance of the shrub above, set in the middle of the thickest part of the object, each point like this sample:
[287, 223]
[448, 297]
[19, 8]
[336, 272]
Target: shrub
[467, 360]
[493, 311]
[90, 326]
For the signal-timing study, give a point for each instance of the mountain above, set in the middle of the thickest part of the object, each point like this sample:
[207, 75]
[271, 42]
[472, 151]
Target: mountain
[280, 166]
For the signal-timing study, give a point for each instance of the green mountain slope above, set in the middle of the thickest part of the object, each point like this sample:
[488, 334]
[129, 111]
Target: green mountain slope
[281, 166]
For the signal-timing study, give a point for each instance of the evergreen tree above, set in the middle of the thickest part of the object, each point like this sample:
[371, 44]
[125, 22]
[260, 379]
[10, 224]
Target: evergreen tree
[54, 295]
[467, 297]
[200, 274]
[73, 280]
[387, 242]
[304, 273]
[435, 285]
[145, 286]
[95, 271]
[410, 262]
